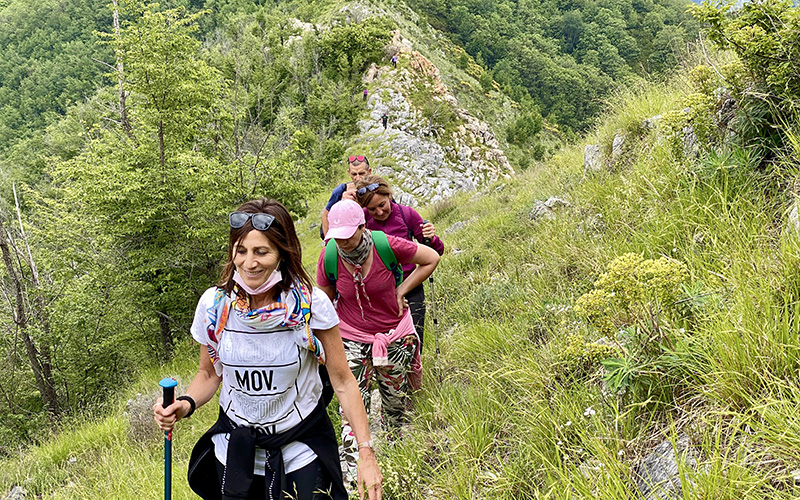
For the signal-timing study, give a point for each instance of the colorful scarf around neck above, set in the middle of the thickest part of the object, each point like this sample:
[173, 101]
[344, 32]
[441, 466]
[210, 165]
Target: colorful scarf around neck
[293, 311]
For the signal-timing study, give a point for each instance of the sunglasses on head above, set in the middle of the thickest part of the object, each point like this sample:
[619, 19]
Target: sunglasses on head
[359, 158]
[260, 221]
[371, 187]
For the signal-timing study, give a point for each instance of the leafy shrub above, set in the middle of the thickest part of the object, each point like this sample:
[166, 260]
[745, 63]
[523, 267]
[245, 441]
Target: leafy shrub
[633, 290]
[766, 82]
[525, 128]
[578, 357]
[698, 112]
[350, 49]
[636, 301]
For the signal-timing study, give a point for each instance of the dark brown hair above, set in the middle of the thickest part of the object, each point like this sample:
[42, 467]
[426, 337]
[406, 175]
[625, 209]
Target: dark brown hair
[280, 233]
[383, 188]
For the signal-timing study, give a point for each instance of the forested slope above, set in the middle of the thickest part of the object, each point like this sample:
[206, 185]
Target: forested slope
[561, 58]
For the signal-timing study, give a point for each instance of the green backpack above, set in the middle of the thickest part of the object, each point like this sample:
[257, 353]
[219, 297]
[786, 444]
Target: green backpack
[384, 252]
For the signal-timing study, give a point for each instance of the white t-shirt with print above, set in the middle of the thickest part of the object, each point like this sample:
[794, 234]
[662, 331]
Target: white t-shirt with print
[268, 381]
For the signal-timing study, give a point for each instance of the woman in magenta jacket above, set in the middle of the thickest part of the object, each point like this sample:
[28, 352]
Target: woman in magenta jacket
[383, 214]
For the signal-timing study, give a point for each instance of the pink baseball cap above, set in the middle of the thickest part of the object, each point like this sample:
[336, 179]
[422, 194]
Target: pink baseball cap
[343, 219]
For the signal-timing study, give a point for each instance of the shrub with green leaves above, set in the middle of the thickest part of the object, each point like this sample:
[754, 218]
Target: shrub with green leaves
[578, 357]
[633, 290]
[698, 112]
[766, 82]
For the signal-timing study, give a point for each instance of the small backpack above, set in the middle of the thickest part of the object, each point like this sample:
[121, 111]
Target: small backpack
[385, 252]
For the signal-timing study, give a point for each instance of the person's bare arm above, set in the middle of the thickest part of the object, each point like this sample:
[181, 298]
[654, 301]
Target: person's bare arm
[426, 260]
[328, 290]
[324, 217]
[202, 389]
[349, 396]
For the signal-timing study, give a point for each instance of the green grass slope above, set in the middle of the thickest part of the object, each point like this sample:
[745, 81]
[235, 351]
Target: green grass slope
[541, 393]
[661, 301]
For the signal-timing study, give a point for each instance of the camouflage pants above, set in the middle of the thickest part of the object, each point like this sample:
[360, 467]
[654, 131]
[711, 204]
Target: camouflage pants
[393, 388]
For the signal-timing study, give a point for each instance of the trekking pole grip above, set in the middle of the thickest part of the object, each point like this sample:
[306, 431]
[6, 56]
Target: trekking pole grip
[168, 388]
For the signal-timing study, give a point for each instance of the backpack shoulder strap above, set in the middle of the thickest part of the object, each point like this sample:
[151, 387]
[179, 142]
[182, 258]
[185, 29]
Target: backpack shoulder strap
[387, 256]
[405, 221]
[331, 262]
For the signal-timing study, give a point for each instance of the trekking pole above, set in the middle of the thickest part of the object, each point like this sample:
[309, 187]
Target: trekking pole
[427, 241]
[168, 386]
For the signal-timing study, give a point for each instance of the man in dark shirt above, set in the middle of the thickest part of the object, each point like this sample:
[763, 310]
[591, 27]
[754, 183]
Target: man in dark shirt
[357, 167]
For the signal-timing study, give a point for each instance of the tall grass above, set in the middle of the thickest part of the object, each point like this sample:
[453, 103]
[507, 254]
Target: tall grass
[730, 380]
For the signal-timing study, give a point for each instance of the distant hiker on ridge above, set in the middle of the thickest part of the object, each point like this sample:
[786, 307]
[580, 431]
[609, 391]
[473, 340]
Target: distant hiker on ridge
[394, 61]
[365, 95]
[357, 167]
[384, 214]
[384, 119]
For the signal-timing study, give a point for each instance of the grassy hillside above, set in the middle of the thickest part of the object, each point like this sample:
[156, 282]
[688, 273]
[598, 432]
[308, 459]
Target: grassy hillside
[519, 404]
[533, 397]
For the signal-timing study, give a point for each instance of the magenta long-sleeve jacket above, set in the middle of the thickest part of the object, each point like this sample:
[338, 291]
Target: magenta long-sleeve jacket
[402, 220]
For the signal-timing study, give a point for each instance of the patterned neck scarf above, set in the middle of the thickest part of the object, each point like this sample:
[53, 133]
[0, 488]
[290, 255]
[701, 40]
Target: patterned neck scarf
[356, 258]
[294, 314]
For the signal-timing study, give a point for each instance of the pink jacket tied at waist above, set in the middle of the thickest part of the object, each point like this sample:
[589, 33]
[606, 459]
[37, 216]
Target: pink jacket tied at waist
[380, 343]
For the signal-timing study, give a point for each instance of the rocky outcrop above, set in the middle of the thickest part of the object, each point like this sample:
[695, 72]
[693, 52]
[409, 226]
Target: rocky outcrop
[657, 476]
[792, 227]
[16, 493]
[592, 159]
[432, 153]
[595, 159]
[546, 210]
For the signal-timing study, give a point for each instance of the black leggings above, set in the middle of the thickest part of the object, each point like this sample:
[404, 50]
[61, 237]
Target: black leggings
[416, 303]
[308, 483]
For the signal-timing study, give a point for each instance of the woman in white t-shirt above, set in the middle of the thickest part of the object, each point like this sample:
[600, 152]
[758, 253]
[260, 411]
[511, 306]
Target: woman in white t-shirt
[265, 334]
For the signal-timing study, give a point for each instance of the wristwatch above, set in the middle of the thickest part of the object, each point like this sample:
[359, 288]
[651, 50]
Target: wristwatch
[365, 444]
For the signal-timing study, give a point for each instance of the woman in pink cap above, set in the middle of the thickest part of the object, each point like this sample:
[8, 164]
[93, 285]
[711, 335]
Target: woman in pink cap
[374, 320]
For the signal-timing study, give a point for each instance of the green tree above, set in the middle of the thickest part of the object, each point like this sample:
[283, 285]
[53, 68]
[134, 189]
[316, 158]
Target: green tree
[766, 37]
[571, 30]
[525, 128]
[154, 192]
[46, 62]
[349, 49]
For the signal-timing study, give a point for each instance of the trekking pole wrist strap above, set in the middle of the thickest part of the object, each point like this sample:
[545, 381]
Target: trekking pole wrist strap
[192, 404]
